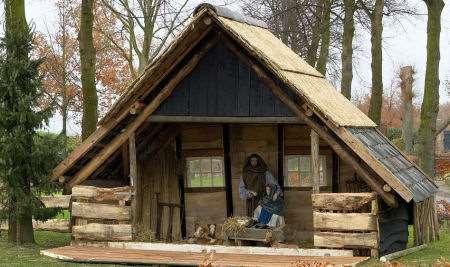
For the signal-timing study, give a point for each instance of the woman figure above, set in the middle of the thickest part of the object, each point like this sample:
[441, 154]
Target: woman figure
[270, 209]
[252, 185]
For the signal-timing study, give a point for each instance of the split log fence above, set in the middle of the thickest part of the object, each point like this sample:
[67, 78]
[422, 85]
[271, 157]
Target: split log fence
[101, 214]
[54, 225]
[346, 220]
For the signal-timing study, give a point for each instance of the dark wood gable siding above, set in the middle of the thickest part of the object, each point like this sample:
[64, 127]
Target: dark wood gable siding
[221, 86]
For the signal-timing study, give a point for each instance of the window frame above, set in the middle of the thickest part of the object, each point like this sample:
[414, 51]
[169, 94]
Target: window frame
[324, 166]
[188, 185]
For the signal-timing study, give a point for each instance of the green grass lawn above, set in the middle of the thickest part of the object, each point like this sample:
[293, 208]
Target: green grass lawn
[11, 255]
[427, 256]
[29, 255]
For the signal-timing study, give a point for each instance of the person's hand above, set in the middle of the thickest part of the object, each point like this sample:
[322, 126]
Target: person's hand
[275, 196]
[253, 193]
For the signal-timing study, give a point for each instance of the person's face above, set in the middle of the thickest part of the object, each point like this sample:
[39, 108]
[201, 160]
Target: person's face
[254, 162]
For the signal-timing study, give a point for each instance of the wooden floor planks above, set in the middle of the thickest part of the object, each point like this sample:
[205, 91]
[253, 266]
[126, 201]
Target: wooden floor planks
[134, 256]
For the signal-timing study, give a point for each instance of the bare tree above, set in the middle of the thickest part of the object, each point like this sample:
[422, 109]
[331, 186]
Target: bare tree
[145, 26]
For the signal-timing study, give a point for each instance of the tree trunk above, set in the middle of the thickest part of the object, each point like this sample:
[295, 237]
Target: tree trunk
[406, 76]
[430, 104]
[311, 57]
[21, 226]
[87, 62]
[325, 43]
[376, 99]
[347, 48]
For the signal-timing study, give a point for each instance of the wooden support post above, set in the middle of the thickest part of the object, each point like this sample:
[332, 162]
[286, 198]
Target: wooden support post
[133, 178]
[180, 159]
[332, 141]
[227, 168]
[280, 143]
[335, 179]
[374, 252]
[315, 162]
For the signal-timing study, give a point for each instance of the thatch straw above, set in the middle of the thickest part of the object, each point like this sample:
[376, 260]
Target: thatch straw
[235, 225]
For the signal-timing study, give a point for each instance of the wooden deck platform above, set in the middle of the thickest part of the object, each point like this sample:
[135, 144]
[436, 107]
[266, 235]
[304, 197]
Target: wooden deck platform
[134, 256]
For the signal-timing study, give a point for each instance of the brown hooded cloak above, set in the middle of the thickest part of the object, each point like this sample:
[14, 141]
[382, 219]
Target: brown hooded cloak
[254, 180]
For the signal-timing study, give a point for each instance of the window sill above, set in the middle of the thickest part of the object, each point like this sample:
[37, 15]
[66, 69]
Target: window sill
[204, 189]
[307, 188]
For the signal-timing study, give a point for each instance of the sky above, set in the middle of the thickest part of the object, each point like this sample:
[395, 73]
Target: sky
[404, 43]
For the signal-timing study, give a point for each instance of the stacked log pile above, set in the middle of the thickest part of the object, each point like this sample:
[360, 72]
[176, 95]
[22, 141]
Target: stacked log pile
[346, 220]
[101, 214]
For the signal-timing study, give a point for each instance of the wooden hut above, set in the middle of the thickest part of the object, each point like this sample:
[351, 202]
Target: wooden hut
[177, 139]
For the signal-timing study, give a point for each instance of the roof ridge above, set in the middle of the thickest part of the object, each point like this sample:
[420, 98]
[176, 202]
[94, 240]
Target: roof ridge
[225, 12]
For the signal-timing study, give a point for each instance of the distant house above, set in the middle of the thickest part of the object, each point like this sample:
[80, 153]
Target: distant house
[442, 162]
[224, 89]
[443, 140]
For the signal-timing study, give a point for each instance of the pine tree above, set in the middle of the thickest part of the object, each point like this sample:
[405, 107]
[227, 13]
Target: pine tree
[20, 116]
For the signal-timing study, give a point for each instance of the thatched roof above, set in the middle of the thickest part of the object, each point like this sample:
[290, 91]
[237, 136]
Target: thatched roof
[287, 67]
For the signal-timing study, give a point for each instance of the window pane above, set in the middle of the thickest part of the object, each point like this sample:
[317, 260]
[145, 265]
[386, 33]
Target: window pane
[305, 179]
[217, 165]
[206, 165]
[293, 178]
[305, 164]
[207, 180]
[194, 166]
[205, 172]
[195, 180]
[218, 180]
[292, 164]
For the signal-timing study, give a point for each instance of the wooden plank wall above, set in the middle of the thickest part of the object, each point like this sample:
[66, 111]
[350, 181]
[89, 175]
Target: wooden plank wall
[299, 213]
[158, 175]
[203, 207]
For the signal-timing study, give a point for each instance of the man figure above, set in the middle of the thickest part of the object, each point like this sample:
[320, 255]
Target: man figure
[252, 185]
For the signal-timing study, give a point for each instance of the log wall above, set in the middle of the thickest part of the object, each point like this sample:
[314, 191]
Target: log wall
[346, 220]
[101, 214]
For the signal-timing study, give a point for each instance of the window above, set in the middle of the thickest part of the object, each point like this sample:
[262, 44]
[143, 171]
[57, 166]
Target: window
[298, 171]
[446, 141]
[205, 172]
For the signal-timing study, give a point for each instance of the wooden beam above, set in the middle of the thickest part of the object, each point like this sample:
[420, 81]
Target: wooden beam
[61, 201]
[133, 160]
[208, 119]
[280, 155]
[335, 179]
[100, 211]
[105, 153]
[227, 169]
[321, 130]
[342, 201]
[180, 159]
[102, 232]
[345, 240]
[101, 194]
[133, 178]
[344, 221]
[315, 162]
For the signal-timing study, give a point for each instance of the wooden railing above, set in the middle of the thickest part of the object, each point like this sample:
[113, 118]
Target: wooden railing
[346, 220]
[101, 214]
